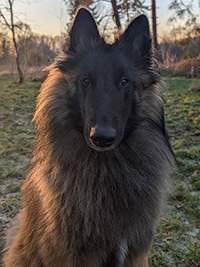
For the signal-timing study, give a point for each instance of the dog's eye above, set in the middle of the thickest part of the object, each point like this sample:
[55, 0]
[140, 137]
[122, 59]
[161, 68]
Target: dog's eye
[124, 82]
[86, 81]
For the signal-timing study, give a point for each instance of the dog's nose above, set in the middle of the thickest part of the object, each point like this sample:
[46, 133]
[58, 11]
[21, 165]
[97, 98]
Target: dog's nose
[102, 137]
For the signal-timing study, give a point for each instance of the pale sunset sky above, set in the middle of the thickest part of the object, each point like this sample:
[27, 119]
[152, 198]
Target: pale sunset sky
[50, 16]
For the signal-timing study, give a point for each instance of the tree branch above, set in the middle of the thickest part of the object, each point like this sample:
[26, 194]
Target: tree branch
[5, 20]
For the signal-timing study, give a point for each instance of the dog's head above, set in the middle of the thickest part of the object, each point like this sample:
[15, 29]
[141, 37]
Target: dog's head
[109, 78]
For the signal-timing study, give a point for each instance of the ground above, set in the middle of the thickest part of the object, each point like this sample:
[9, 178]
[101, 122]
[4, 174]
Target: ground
[177, 237]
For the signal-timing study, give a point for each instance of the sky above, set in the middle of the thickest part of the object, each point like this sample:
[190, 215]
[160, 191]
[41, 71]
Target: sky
[50, 16]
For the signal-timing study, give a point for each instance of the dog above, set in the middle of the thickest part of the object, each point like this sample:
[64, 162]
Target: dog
[102, 161]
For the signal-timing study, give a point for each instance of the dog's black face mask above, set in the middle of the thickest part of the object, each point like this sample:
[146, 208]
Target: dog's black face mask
[106, 79]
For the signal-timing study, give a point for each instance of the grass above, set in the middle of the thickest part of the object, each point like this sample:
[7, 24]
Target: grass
[177, 238]
[17, 103]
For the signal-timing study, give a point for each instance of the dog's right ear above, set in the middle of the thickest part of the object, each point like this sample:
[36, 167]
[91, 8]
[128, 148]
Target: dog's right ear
[83, 32]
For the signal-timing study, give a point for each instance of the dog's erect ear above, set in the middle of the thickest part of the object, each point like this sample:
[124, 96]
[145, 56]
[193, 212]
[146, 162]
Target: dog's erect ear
[137, 36]
[84, 31]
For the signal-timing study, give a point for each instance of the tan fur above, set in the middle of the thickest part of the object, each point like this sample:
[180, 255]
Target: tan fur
[139, 261]
[12, 231]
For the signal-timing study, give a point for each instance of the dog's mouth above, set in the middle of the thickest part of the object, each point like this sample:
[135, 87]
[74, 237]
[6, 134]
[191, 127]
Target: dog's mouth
[100, 148]
[101, 138]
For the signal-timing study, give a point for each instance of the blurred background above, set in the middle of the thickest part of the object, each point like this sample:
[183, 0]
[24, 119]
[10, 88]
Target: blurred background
[39, 29]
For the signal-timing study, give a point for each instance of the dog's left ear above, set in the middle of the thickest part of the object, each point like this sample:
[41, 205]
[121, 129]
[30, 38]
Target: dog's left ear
[83, 31]
[137, 36]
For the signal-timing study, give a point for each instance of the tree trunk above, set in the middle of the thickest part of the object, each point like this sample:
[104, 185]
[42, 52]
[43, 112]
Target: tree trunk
[116, 14]
[20, 73]
[154, 25]
[21, 76]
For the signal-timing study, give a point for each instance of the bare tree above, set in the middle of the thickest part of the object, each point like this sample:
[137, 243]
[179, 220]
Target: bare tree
[130, 8]
[11, 26]
[96, 6]
[122, 10]
[190, 28]
[116, 14]
[184, 12]
[154, 24]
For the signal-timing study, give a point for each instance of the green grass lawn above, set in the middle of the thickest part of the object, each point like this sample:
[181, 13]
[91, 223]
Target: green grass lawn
[177, 240]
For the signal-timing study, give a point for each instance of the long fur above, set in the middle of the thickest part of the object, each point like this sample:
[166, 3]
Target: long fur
[82, 206]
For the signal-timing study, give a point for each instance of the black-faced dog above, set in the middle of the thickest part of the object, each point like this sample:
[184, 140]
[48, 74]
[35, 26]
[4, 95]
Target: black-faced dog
[102, 159]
